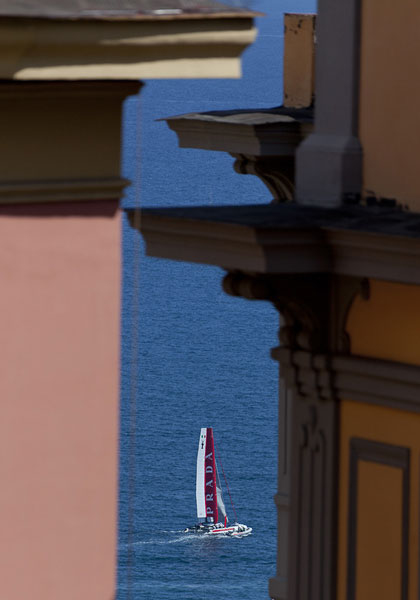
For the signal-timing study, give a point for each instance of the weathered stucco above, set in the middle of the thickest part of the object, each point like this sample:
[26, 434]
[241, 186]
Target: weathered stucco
[380, 569]
[59, 323]
[389, 95]
[387, 326]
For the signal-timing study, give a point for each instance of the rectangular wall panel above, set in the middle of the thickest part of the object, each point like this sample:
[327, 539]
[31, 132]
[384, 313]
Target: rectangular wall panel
[378, 521]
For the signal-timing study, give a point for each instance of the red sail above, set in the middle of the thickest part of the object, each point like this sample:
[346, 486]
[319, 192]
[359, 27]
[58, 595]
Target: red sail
[210, 477]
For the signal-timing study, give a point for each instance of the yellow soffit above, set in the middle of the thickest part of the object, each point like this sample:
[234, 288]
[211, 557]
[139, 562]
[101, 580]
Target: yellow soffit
[42, 49]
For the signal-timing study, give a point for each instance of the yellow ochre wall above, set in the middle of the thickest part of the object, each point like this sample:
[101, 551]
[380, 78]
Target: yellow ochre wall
[389, 95]
[387, 326]
[379, 505]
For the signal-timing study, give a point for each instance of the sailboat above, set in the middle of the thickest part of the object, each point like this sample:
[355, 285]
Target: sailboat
[210, 505]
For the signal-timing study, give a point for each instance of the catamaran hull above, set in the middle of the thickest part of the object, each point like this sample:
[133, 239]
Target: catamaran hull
[237, 530]
[242, 531]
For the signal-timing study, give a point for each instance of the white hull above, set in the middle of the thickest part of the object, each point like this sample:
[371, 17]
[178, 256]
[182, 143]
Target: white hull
[236, 530]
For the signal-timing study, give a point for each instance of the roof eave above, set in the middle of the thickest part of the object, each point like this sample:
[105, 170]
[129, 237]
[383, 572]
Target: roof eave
[53, 49]
[278, 239]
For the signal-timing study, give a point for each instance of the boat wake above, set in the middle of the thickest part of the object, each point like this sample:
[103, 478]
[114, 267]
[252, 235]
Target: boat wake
[175, 536]
[162, 537]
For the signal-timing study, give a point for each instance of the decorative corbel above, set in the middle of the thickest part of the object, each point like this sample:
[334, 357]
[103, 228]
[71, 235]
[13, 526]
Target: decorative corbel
[314, 310]
[302, 300]
[277, 173]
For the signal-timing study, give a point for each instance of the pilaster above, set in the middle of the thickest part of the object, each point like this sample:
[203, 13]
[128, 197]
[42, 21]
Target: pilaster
[329, 162]
[313, 310]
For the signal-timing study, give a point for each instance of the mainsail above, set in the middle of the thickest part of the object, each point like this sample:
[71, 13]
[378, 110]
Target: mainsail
[208, 490]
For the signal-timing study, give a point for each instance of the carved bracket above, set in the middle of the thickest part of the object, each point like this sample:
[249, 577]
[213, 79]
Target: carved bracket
[314, 310]
[314, 307]
[302, 303]
[276, 172]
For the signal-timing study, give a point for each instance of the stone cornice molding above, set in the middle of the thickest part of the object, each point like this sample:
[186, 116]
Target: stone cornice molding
[278, 239]
[124, 10]
[86, 190]
[262, 141]
[12, 90]
[54, 49]
[255, 132]
[357, 378]
[374, 381]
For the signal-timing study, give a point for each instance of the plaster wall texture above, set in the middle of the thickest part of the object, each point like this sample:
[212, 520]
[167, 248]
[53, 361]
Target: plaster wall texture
[299, 60]
[379, 531]
[379, 504]
[58, 135]
[387, 326]
[389, 93]
[59, 323]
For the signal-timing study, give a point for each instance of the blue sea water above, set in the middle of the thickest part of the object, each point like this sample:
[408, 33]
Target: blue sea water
[192, 356]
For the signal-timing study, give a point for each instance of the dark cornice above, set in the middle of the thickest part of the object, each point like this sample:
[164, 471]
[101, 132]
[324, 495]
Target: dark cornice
[263, 142]
[254, 131]
[360, 241]
[122, 10]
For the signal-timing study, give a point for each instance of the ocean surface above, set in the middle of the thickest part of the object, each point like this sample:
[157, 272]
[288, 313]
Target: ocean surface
[194, 357]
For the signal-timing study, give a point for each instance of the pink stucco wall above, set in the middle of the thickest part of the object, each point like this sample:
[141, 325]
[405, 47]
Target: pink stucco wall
[59, 361]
